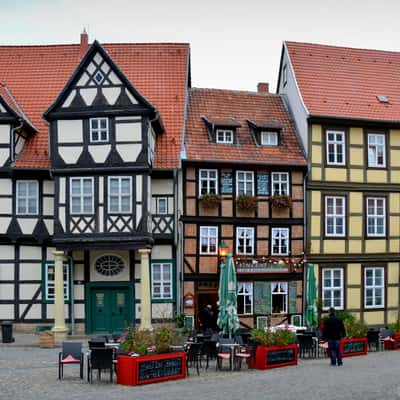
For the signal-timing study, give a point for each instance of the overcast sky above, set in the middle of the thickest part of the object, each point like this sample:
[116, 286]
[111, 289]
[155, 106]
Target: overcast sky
[234, 44]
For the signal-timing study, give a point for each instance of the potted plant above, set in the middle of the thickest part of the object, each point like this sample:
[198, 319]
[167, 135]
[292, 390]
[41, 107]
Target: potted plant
[210, 200]
[281, 201]
[149, 358]
[274, 349]
[355, 343]
[395, 328]
[246, 203]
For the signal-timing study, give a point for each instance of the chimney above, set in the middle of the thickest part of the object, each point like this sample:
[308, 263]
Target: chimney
[263, 87]
[84, 44]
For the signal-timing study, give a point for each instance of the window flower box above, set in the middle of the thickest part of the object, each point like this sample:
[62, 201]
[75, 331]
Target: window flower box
[141, 370]
[210, 201]
[268, 357]
[354, 346]
[247, 203]
[281, 201]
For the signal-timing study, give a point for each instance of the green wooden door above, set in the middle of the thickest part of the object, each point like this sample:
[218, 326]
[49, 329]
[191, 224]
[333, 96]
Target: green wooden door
[101, 310]
[119, 309]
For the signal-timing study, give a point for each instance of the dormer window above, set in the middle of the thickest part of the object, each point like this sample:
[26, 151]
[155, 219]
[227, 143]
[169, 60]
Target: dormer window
[269, 138]
[99, 130]
[224, 136]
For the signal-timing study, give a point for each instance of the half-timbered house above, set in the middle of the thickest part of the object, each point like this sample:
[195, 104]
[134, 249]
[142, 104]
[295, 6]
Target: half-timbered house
[243, 174]
[345, 105]
[90, 139]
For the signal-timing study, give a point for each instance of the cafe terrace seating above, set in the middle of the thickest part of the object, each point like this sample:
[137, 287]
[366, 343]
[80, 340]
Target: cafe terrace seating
[100, 358]
[71, 353]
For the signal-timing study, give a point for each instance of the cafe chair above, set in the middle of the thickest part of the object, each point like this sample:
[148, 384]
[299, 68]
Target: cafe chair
[209, 350]
[307, 346]
[193, 356]
[386, 342]
[224, 352]
[71, 353]
[96, 342]
[99, 359]
[373, 340]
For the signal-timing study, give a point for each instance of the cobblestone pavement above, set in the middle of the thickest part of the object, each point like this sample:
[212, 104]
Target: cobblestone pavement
[31, 373]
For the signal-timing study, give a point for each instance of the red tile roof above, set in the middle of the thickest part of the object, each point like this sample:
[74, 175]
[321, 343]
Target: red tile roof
[223, 105]
[345, 82]
[37, 74]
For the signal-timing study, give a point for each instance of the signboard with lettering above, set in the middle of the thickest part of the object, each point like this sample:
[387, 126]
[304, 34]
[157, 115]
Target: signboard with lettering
[226, 182]
[280, 356]
[155, 369]
[262, 184]
[354, 347]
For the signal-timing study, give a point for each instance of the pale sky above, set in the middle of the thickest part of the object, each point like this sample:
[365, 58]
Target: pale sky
[234, 44]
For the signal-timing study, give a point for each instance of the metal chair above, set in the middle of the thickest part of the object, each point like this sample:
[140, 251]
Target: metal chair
[96, 343]
[307, 345]
[100, 358]
[373, 340]
[209, 350]
[193, 356]
[71, 353]
[224, 352]
[385, 339]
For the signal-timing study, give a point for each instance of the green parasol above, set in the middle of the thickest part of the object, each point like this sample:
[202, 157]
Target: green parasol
[311, 298]
[228, 319]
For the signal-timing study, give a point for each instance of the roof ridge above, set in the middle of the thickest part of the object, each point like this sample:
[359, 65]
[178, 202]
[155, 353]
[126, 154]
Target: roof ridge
[235, 91]
[103, 44]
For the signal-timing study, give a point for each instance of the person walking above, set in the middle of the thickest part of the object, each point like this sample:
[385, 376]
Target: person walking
[333, 332]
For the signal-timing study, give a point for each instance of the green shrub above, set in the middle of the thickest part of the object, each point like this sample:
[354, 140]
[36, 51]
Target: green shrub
[395, 327]
[355, 329]
[280, 337]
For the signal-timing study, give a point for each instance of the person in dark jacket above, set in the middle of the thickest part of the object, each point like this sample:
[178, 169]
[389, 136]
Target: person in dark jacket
[206, 320]
[333, 332]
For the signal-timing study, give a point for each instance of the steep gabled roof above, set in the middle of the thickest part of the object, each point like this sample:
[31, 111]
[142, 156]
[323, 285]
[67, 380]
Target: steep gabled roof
[37, 74]
[344, 82]
[223, 105]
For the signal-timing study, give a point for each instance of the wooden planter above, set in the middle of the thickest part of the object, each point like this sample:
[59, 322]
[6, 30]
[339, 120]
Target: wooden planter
[354, 347]
[275, 356]
[141, 370]
[46, 340]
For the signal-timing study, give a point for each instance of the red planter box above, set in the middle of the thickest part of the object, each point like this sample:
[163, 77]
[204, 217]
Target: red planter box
[141, 370]
[275, 356]
[353, 347]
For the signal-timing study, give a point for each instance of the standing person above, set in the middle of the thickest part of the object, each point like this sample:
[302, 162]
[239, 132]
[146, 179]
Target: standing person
[333, 332]
[206, 320]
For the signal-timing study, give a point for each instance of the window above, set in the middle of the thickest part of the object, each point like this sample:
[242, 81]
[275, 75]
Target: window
[279, 297]
[119, 194]
[269, 138]
[162, 205]
[81, 194]
[244, 183]
[245, 241]
[224, 136]
[376, 224]
[161, 281]
[208, 181]
[109, 265]
[49, 277]
[284, 75]
[280, 183]
[280, 241]
[98, 130]
[27, 197]
[335, 214]
[376, 150]
[245, 298]
[332, 288]
[335, 148]
[374, 287]
[208, 239]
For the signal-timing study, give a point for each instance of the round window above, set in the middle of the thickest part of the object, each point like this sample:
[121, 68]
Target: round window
[109, 265]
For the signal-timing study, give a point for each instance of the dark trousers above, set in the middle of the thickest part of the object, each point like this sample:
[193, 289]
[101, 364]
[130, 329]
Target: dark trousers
[334, 352]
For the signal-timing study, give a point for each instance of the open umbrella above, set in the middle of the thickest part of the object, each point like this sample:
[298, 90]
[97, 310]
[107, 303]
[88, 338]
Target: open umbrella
[311, 298]
[228, 319]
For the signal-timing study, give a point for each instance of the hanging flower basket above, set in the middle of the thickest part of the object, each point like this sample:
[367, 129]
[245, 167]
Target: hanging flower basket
[246, 203]
[210, 201]
[281, 201]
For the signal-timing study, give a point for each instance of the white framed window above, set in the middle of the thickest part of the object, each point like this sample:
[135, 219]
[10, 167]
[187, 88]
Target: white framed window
[161, 205]
[245, 183]
[208, 239]
[279, 294]
[280, 183]
[376, 216]
[374, 287]
[49, 281]
[99, 130]
[161, 280]
[332, 288]
[119, 194]
[245, 298]
[208, 181]
[81, 195]
[335, 147]
[224, 136]
[376, 150]
[109, 265]
[269, 138]
[335, 215]
[280, 241]
[245, 241]
[27, 197]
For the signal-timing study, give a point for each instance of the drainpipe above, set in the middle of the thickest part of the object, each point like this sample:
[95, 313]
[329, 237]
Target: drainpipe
[72, 299]
[305, 245]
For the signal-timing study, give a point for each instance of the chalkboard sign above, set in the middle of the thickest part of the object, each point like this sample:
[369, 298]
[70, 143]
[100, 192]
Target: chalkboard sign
[262, 184]
[226, 183]
[354, 347]
[280, 356]
[154, 369]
